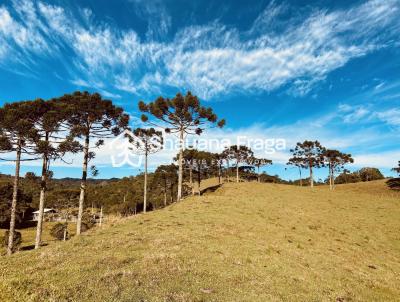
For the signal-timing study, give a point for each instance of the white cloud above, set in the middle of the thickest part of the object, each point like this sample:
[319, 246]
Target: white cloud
[211, 59]
[381, 160]
[25, 33]
[391, 116]
[57, 20]
[365, 113]
[356, 115]
[124, 83]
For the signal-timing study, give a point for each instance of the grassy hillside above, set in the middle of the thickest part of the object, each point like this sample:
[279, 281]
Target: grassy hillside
[244, 242]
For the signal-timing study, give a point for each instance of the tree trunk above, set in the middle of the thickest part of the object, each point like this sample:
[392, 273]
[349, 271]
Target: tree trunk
[237, 171]
[145, 184]
[330, 177]
[10, 247]
[333, 177]
[219, 172]
[101, 216]
[258, 174]
[83, 185]
[41, 203]
[311, 177]
[66, 226]
[191, 176]
[165, 197]
[180, 172]
[301, 180]
[199, 178]
[227, 170]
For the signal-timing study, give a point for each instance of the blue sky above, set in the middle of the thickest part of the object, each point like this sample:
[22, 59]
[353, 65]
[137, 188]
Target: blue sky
[326, 70]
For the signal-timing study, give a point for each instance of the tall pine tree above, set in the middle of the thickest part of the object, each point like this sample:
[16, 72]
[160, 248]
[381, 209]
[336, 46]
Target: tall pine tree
[17, 134]
[53, 143]
[92, 119]
[240, 155]
[335, 160]
[145, 142]
[182, 115]
[258, 163]
[308, 155]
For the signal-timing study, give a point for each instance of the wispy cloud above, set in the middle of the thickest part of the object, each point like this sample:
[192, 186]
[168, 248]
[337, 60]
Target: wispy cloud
[353, 114]
[383, 160]
[367, 114]
[156, 15]
[210, 59]
[391, 116]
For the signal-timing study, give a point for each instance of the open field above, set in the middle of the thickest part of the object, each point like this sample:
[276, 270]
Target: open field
[244, 242]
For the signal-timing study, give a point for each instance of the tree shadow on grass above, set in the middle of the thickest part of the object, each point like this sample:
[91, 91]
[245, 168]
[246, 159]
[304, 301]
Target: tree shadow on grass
[31, 247]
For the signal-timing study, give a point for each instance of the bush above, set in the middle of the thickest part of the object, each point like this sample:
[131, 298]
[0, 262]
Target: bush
[394, 183]
[58, 230]
[264, 177]
[17, 240]
[23, 210]
[364, 174]
[345, 178]
[368, 174]
[87, 222]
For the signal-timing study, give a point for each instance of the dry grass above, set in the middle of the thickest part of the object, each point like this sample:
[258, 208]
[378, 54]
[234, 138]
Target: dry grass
[245, 242]
[29, 235]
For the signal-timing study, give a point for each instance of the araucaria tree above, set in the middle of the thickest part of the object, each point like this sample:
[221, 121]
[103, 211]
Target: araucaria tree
[335, 160]
[308, 155]
[145, 142]
[52, 144]
[203, 161]
[92, 118]
[218, 162]
[258, 163]
[297, 162]
[17, 134]
[167, 177]
[188, 158]
[182, 115]
[240, 155]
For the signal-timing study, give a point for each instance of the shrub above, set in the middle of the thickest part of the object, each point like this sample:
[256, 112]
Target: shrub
[368, 174]
[364, 174]
[17, 240]
[58, 230]
[345, 178]
[394, 183]
[87, 222]
[23, 209]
